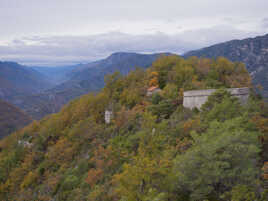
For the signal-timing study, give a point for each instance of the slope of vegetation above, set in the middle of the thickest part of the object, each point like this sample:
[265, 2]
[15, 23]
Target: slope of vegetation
[11, 119]
[154, 149]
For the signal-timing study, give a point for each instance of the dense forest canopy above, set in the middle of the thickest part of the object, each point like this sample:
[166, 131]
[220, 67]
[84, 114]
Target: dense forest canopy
[154, 149]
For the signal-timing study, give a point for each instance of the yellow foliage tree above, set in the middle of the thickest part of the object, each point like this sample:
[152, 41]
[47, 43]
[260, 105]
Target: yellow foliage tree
[153, 79]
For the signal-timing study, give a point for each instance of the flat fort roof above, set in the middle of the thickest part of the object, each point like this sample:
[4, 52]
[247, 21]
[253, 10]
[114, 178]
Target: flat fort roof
[208, 92]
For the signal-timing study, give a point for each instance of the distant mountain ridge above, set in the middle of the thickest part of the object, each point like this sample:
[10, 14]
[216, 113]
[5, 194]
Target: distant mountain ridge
[251, 51]
[11, 118]
[17, 80]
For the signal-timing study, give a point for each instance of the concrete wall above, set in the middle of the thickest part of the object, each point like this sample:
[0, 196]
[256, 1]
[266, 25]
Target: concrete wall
[197, 98]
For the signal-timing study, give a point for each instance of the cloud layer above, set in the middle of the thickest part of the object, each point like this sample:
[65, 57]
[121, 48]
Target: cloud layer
[61, 32]
[66, 50]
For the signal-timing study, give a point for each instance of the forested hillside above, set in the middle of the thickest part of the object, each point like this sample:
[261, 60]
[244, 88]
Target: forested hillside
[153, 149]
[11, 119]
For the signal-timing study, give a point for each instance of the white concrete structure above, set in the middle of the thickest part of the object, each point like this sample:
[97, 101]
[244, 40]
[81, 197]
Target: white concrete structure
[25, 143]
[197, 98]
[108, 116]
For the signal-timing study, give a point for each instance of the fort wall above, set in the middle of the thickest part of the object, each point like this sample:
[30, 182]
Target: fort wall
[197, 98]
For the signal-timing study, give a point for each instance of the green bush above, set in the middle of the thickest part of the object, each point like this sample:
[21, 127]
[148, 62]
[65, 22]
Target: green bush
[225, 156]
[70, 182]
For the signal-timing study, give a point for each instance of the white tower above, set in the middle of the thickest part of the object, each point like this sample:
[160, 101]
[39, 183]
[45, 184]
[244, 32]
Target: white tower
[108, 116]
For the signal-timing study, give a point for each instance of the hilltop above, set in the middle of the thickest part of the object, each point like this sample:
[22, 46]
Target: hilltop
[80, 80]
[251, 51]
[153, 149]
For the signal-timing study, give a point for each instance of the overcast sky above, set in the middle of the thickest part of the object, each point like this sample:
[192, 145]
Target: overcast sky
[61, 32]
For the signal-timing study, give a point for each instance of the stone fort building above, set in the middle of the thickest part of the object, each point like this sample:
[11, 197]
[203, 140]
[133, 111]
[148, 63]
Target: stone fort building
[197, 98]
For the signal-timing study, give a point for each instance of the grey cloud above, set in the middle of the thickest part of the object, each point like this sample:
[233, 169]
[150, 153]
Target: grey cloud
[33, 17]
[78, 49]
[264, 23]
[62, 50]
